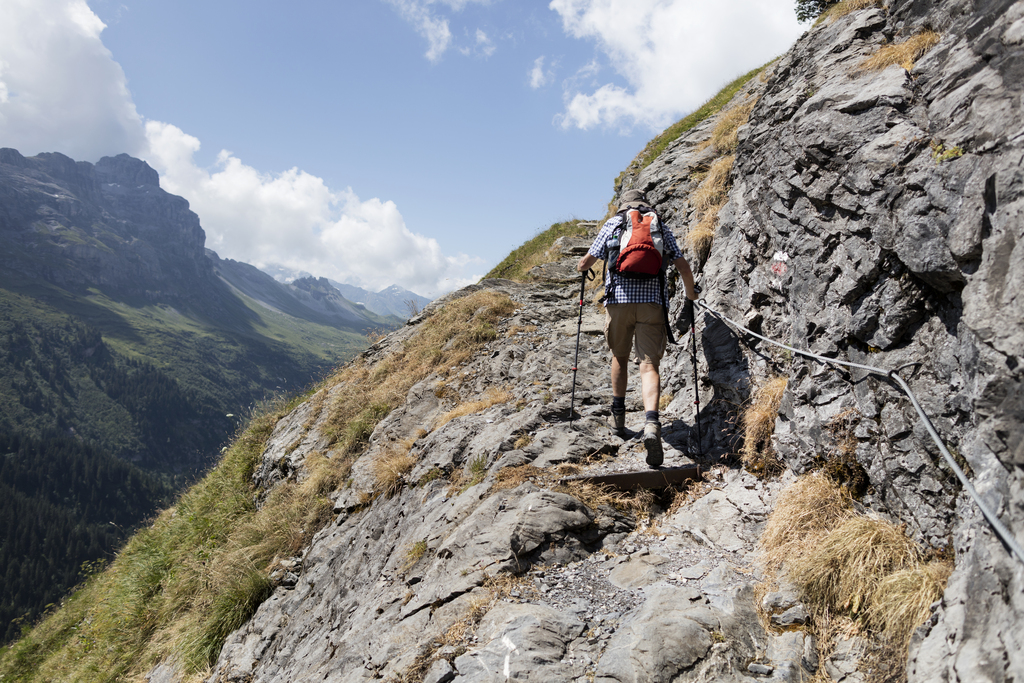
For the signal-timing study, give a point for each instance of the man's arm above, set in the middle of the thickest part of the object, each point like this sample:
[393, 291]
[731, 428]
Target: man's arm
[684, 269]
[587, 261]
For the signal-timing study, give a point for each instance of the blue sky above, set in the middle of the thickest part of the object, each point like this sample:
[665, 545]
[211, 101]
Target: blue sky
[382, 141]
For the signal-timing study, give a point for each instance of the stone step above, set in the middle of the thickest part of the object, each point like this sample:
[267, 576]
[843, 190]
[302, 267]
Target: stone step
[642, 479]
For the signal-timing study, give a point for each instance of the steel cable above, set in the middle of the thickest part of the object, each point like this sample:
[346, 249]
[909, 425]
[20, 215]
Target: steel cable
[1000, 529]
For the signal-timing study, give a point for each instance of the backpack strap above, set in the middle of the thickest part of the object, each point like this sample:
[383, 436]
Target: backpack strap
[664, 307]
[612, 254]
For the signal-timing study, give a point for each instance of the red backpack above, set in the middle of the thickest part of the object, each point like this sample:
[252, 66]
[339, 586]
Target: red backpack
[635, 250]
[636, 247]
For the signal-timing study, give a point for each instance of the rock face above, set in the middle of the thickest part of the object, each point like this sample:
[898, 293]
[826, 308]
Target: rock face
[106, 225]
[109, 226]
[852, 231]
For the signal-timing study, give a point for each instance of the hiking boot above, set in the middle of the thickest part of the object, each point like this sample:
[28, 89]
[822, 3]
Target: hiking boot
[618, 424]
[652, 442]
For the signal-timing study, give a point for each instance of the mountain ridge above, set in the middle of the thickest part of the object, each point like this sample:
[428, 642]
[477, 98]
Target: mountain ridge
[391, 300]
[105, 245]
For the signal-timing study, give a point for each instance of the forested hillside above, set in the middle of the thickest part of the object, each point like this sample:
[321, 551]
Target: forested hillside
[58, 376]
[65, 507]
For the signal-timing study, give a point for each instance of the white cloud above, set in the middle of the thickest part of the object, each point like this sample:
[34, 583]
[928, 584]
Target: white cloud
[62, 91]
[484, 44]
[295, 220]
[538, 76]
[60, 88]
[3, 86]
[672, 54]
[436, 29]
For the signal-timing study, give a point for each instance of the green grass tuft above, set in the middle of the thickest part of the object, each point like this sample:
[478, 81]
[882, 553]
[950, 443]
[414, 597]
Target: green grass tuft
[534, 252]
[234, 605]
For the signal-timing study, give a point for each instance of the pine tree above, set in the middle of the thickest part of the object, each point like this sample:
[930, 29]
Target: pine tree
[807, 10]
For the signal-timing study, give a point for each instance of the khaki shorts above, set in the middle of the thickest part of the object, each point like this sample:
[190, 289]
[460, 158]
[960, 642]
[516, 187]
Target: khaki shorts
[642, 323]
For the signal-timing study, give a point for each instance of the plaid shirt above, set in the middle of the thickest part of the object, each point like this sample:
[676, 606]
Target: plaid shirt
[626, 290]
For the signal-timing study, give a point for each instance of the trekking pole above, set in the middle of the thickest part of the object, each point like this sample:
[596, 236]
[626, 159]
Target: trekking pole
[589, 275]
[696, 392]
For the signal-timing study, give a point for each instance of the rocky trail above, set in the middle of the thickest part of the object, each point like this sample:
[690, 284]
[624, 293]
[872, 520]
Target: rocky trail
[522, 581]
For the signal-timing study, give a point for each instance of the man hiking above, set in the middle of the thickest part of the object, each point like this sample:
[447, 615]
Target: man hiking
[636, 251]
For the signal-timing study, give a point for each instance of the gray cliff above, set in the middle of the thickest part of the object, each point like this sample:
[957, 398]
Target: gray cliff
[892, 255]
[847, 232]
[106, 225]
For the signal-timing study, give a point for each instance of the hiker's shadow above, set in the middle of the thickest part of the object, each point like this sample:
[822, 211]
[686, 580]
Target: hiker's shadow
[724, 382]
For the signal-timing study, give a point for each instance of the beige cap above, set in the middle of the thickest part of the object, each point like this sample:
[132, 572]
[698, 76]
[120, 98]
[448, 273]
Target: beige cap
[632, 199]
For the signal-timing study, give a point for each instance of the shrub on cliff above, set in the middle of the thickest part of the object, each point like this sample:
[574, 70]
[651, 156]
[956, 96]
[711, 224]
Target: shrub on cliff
[807, 10]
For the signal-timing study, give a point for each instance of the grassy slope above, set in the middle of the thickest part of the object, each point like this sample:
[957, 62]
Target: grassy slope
[145, 384]
[242, 357]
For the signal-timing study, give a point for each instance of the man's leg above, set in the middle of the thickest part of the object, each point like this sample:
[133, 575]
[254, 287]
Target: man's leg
[651, 383]
[620, 376]
[650, 343]
[650, 380]
[618, 330]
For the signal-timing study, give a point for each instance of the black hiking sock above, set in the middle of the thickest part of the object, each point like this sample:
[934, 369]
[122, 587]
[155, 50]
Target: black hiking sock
[653, 416]
[618, 404]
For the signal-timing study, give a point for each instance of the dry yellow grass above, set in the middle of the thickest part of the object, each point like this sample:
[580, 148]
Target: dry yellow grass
[725, 135]
[758, 420]
[700, 237]
[707, 200]
[504, 584]
[390, 468]
[594, 495]
[851, 565]
[517, 329]
[901, 600]
[844, 570]
[459, 632]
[715, 185]
[807, 510]
[522, 441]
[905, 54]
[362, 395]
[413, 554]
[687, 494]
[511, 477]
[492, 397]
[843, 8]
[567, 469]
